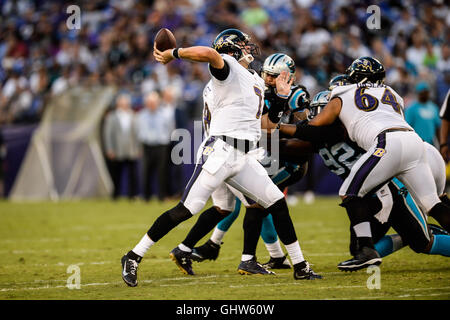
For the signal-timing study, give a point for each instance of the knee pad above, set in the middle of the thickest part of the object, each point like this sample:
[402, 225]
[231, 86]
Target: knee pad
[179, 213]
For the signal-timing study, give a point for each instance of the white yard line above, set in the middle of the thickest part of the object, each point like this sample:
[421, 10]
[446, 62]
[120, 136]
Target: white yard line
[245, 286]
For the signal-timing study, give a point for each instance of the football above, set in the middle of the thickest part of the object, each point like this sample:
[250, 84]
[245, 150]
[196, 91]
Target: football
[165, 39]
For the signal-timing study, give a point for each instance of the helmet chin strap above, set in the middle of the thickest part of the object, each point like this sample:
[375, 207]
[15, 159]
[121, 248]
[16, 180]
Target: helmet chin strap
[247, 57]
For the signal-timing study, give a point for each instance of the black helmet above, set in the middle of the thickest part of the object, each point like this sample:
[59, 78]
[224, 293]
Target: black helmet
[233, 41]
[339, 80]
[366, 69]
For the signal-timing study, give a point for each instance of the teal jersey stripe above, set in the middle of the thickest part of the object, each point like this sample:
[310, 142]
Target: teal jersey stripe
[411, 204]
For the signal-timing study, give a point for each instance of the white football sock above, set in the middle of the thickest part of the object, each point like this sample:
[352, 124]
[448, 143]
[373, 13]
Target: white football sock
[274, 249]
[362, 230]
[295, 252]
[217, 236]
[143, 245]
[247, 257]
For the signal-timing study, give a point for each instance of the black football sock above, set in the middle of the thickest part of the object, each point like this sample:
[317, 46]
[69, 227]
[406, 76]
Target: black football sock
[357, 211]
[252, 229]
[282, 222]
[205, 223]
[167, 221]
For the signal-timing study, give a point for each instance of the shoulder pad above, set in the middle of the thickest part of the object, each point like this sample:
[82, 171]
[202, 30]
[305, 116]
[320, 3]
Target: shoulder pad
[299, 98]
[340, 90]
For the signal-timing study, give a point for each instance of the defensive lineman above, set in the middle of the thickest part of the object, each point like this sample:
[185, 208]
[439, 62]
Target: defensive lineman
[229, 153]
[372, 113]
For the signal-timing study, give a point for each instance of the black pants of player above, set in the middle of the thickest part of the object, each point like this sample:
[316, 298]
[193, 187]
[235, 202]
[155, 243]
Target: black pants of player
[117, 167]
[402, 219]
[156, 160]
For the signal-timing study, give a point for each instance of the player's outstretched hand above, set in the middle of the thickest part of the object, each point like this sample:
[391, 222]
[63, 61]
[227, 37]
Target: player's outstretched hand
[283, 83]
[163, 56]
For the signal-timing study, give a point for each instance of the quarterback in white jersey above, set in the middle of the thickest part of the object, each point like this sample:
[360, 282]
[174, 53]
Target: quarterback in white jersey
[372, 113]
[225, 155]
[237, 103]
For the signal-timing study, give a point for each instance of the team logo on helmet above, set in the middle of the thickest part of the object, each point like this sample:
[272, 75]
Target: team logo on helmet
[226, 39]
[366, 69]
[234, 41]
[277, 63]
[366, 65]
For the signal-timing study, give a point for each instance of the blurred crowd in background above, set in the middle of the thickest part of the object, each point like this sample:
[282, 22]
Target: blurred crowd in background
[40, 57]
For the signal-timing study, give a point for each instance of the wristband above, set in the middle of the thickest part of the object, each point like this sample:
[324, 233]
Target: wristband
[175, 53]
[442, 145]
[283, 96]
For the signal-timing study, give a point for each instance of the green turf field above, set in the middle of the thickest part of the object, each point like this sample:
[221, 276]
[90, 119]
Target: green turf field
[39, 241]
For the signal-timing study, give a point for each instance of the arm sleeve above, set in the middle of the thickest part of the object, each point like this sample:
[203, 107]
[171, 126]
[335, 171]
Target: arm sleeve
[220, 74]
[320, 134]
[277, 108]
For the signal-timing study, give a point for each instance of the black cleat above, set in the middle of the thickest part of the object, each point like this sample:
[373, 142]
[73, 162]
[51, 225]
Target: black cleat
[436, 230]
[209, 250]
[183, 260]
[363, 259]
[252, 267]
[302, 271]
[277, 263]
[129, 271]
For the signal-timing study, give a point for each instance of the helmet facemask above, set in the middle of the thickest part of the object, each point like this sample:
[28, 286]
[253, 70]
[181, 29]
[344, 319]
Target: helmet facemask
[277, 63]
[248, 52]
